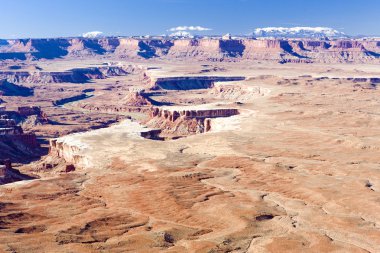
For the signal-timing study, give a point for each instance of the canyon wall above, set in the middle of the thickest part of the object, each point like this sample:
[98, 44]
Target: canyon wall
[206, 49]
[10, 89]
[68, 151]
[63, 101]
[176, 123]
[172, 115]
[190, 82]
[15, 144]
[79, 75]
[237, 92]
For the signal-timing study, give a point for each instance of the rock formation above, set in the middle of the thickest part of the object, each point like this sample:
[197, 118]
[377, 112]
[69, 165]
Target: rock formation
[9, 174]
[237, 92]
[197, 49]
[9, 127]
[284, 160]
[9, 89]
[174, 114]
[279, 50]
[136, 99]
[190, 82]
[63, 101]
[26, 111]
[174, 123]
[32, 116]
[78, 75]
[5, 165]
[14, 143]
[69, 152]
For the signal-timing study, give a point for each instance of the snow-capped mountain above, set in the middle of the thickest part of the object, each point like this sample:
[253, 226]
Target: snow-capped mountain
[297, 32]
[181, 34]
[92, 35]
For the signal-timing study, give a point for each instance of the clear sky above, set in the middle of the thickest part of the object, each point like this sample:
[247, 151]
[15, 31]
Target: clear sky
[61, 18]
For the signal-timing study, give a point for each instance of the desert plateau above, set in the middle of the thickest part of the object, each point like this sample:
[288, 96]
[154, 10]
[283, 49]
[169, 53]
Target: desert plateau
[179, 143]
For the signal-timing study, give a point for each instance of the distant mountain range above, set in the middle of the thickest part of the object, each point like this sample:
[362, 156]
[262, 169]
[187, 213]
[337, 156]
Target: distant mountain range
[302, 32]
[298, 32]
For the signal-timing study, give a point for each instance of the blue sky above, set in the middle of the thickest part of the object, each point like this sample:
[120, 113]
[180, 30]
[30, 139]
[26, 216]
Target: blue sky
[61, 18]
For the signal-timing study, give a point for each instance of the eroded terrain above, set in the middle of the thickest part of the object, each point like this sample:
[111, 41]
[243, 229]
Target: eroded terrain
[195, 157]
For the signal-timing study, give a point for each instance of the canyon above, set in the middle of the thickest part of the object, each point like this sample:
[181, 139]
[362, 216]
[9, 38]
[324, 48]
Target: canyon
[15, 143]
[177, 122]
[189, 145]
[73, 76]
[202, 49]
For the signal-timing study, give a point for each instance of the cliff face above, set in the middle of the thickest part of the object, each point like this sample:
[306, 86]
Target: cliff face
[201, 49]
[80, 75]
[68, 151]
[238, 92]
[127, 48]
[10, 89]
[177, 123]
[16, 144]
[191, 82]
[295, 50]
[172, 115]
[34, 48]
[36, 77]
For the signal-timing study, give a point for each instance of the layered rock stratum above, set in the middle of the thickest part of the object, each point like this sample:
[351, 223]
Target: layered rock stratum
[201, 145]
[282, 50]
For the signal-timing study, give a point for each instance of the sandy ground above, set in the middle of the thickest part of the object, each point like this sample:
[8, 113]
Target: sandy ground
[297, 172]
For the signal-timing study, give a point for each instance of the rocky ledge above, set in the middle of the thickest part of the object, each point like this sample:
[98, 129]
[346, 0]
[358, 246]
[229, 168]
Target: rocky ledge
[190, 82]
[279, 50]
[179, 122]
[78, 75]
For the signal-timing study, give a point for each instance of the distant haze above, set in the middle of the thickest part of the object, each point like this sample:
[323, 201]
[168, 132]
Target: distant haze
[297, 32]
